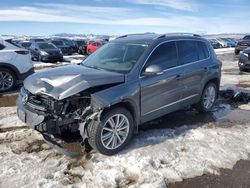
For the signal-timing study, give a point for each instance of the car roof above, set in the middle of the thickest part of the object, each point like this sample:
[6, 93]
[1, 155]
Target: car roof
[149, 38]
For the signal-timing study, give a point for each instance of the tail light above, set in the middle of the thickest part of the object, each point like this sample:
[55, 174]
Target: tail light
[22, 52]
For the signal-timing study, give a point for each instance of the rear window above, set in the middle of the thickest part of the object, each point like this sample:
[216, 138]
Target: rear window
[44, 46]
[2, 47]
[247, 37]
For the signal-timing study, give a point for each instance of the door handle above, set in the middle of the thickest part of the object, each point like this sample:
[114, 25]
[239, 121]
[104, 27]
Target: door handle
[205, 69]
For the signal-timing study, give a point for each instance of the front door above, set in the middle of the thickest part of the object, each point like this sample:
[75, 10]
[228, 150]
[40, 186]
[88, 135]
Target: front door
[160, 93]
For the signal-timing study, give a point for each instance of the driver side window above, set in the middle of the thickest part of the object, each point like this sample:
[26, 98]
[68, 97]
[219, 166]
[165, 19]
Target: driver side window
[164, 55]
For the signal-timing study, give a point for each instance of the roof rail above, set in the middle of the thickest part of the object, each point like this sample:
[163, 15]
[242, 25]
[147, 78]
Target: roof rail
[123, 36]
[181, 34]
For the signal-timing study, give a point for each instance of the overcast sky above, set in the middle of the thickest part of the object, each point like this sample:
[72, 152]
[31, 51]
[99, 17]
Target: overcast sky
[46, 17]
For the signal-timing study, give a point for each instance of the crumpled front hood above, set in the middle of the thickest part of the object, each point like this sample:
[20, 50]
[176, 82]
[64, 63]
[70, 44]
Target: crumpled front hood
[66, 81]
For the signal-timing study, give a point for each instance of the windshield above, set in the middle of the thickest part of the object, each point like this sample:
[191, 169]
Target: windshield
[117, 57]
[247, 37]
[44, 46]
[58, 42]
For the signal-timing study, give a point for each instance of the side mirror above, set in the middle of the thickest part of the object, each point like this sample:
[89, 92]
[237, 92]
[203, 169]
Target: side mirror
[153, 70]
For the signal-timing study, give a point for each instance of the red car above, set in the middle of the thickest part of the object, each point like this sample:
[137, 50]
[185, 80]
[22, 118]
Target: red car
[93, 46]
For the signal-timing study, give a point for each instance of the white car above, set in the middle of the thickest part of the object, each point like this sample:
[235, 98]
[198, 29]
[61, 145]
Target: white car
[222, 43]
[15, 65]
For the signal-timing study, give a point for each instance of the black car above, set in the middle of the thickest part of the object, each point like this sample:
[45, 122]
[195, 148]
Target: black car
[124, 84]
[244, 61]
[25, 44]
[242, 44]
[71, 44]
[45, 52]
[66, 50]
[81, 46]
[33, 40]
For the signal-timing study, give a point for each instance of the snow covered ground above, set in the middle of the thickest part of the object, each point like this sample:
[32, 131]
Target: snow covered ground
[72, 59]
[165, 150]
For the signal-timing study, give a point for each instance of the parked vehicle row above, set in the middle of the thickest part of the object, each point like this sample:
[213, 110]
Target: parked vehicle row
[223, 42]
[40, 48]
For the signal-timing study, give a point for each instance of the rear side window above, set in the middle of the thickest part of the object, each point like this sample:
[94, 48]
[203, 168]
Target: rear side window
[187, 51]
[202, 50]
[164, 55]
[2, 47]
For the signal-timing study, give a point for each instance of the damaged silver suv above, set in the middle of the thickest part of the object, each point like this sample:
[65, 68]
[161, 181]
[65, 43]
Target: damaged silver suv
[127, 82]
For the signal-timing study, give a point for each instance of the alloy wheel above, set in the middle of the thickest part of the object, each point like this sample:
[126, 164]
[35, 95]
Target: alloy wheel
[115, 131]
[6, 80]
[209, 97]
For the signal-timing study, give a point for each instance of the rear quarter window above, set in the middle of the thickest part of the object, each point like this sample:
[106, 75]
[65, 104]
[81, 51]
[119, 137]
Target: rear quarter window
[203, 52]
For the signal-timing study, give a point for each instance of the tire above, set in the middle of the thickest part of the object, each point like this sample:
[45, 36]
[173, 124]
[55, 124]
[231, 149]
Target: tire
[7, 80]
[236, 52]
[98, 136]
[204, 107]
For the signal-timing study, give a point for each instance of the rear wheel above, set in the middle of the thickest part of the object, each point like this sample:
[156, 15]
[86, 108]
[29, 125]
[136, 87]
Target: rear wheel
[208, 98]
[7, 80]
[112, 133]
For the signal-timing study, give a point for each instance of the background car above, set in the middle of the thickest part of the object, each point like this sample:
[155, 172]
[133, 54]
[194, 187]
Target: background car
[244, 60]
[242, 44]
[66, 50]
[222, 42]
[25, 44]
[81, 46]
[215, 43]
[15, 65]
[230, 43]
[93, 46]
[71, 44]
[45, 52]
[37, 40]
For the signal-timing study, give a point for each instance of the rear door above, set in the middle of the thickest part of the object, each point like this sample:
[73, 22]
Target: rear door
[194, 57]
[160, 94]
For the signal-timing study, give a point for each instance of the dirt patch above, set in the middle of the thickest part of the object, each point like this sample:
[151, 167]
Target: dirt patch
[30, 147]
[237, 177]
[8, 100]
[244, 84]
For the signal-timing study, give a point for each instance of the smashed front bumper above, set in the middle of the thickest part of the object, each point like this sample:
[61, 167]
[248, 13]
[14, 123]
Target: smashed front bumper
[27, 114]
[53, 129]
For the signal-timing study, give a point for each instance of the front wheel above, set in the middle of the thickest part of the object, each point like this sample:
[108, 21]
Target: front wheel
[208, 98]
[112, 133]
